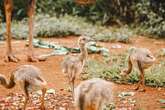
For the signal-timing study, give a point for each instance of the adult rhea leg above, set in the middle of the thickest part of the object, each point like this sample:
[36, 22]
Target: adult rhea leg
[8, 11]
[31, 10]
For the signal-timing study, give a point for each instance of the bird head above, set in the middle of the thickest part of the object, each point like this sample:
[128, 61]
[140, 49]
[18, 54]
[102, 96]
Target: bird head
[84, 39]
[123, 73]
[2, 79]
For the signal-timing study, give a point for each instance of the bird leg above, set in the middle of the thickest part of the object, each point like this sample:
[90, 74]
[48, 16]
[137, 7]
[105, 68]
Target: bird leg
[142, 80]
[31, 10]
[26, 101]
[26, 85]
[98, 104]
[71, 84]
[143, 84]
[42, 98]
[8, 11]
[73, 77]
[72, 88]
[138, 85]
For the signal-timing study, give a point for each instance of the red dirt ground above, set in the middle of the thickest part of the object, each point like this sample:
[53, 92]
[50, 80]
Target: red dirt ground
[52, 72]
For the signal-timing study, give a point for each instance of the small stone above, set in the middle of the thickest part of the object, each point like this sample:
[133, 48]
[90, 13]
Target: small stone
[117, 46]
[62, 108]
[39, 92]
[50, 91]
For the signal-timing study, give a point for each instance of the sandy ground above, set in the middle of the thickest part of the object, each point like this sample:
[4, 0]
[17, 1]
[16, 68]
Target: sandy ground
[52, 71]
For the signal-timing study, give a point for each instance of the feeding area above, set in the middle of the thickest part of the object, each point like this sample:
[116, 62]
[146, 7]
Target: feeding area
[82, 55]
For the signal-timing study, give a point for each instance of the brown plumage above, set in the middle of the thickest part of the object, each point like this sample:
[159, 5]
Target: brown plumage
[140, 58]
[30, 79]
[73, 65]
[93, 94]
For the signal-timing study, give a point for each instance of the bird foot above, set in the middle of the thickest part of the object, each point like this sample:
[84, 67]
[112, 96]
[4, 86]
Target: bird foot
[141, 90]
[32, 58]
[69, 89]
[11, 58]
[42, 108]
[136, 88]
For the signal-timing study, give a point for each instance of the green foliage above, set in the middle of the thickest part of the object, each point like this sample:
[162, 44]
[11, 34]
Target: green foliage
[147, 15]
[1, 11]
[52, 7]
[154, 76]
[46, 26]
[19, 9]
[151, 16]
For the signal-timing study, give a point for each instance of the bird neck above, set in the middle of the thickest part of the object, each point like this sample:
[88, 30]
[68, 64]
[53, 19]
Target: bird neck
[83, 53]
[4, 82]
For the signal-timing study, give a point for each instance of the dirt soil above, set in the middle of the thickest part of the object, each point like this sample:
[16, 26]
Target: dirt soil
[51, 69]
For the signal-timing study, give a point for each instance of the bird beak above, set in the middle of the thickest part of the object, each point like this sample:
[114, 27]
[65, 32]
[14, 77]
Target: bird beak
[153, 58]
[91, 40]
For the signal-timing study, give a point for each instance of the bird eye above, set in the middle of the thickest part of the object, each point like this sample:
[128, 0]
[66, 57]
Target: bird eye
[148, 55]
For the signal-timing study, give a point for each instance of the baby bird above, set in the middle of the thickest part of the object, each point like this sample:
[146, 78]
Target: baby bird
[93, 94]
[73, 64]
[30, 79]
[141, 58]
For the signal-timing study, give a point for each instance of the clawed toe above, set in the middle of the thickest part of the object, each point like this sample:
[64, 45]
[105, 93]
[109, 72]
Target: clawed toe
[141, 90]
[11, 58]
[32, 59]
[136, 88]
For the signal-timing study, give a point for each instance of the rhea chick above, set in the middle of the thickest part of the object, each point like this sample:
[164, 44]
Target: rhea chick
[30, 79]
[93, 94]
[73, 64]
[140, 58]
